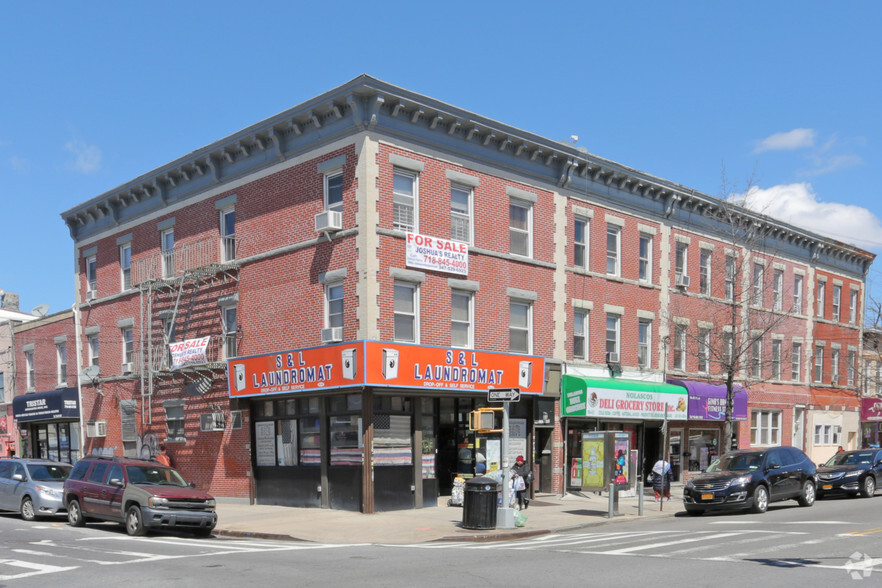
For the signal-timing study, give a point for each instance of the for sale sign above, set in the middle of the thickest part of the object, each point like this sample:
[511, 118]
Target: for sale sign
[189, 352]
[436, 254]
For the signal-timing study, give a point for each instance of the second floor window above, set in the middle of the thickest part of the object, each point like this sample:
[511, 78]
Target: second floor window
[819, 364]
[228, 234]
[756, 358]
[796, 362]
[61, 355]
[404, 201]
[461, 214]
[645, 253]
[613, 335]
[406, 307]
[776, 359]
[680, 347]
[520, 227]
[613, 250]
[128, 351]
[520, 327]
[834, 367]
[461, 319]
[167, 244]
[29, 366]
[704, 271]
[730, 277]
[758, 281]
[580, 243]
[703, 350]
[797, 294]
[93, 349]
[333, 305]
[644, 343]
[231, 330]
[125, 265]
[580, 334]
[852, 357]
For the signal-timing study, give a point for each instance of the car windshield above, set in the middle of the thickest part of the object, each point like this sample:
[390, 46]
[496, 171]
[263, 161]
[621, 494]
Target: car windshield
[738, 462]
[49, 473]
[861, 457]
[146, 475]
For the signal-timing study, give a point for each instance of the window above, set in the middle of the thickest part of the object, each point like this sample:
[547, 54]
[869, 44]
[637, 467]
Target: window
[125, 265]
[580, 243]
[645, 258]
[404, 201]
[728, 350]
[704, 350]
[167, 244]
[776, 359]
[819, 363]
[797, 294]
[61, 356]
[819, 311]
[519, 327]
[834, 367]
[168, 332]
[704, 271]
[231, 329]
[461, 214]
[3, 388]
[92, 276]
[852, 357]
[93, 349]
[680, 347]
[837, 299]
[827, 434]
[613, 334]
[796, 362]
[730, 277]
[778, 290]
[758, 279]
[682, 259]
[228, 234]
[580, 334]
[644, 343]
[334, 305]
[29, 365]
[756, 358]
[461, 320]
[765, 428]
[333, 190]
[613, 250]
[852, 306]
[128, 350]
[406, 305]
[520, 220]
[174, 419]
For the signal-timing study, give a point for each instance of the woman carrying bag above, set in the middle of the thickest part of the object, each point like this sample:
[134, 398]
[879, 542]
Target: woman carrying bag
[661, 479]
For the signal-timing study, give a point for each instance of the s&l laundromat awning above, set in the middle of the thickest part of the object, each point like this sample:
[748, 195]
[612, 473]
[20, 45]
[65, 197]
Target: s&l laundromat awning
[618, 398]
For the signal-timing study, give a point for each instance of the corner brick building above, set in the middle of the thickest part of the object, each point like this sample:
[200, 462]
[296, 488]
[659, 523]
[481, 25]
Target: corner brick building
[306, 312]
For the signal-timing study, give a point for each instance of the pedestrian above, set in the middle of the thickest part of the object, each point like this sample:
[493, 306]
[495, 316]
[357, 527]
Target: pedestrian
[661, 480]
[840, 450]
[163, 456]
[521, 478]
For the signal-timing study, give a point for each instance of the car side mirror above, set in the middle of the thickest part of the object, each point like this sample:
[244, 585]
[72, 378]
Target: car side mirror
[116, 482]
[18, 477]
[191, 485]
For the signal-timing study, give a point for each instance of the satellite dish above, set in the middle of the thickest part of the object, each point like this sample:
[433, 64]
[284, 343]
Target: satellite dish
[198, 387]
[91, 372]
[40, 310]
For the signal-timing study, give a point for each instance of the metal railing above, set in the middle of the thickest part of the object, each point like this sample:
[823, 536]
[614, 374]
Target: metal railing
[184, 257]
[220, 348]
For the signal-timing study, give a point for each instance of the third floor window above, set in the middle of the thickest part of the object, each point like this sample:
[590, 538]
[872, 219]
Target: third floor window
[404, 201]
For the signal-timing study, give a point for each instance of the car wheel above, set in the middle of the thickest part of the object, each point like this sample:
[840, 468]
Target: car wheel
[134, 525]
[869, 487]
[75, 514]
[760, 499]
[693, 513]
[27, 509]
[807, 498]
[203, 532]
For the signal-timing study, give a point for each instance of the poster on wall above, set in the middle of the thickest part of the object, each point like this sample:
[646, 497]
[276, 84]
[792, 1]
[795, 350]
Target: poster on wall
[576, 472]
[593, 460]
[622, 465]
[517, 439]
[265, 443]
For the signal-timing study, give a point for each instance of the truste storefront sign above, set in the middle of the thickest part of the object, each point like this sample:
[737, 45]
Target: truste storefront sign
[384, 364]
[436, 254]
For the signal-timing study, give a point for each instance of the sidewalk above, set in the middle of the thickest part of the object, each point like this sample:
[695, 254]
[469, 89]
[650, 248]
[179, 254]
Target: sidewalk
[547, 513]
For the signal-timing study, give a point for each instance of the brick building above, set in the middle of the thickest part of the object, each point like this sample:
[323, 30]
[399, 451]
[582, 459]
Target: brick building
[366, 265]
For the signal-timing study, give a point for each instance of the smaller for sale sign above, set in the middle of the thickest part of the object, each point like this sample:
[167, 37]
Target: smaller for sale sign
[436, 254]
[191, 351]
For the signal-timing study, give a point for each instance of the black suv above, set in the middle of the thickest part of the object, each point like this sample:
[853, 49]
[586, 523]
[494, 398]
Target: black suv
[752, 478]
[142, 495]
[852, 472]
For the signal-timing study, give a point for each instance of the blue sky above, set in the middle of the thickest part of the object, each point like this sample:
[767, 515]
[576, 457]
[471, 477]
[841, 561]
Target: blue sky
[94, 94]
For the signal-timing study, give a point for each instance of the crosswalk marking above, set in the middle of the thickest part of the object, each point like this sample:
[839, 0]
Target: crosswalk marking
[36, 569]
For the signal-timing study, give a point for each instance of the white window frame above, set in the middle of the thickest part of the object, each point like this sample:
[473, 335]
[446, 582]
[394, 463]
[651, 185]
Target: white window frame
[765, 428]
[613, 335]
[797, 293]
[818, 371]
[400, 202]
[92, 275]
[852, 306]
[705, 259]
[3, 388]
[756, 358]
[230, 326]
[125, 266]
[778, 290]
[681, 259]
[61, 362]
[644, 343]
[94, 350]
[228, 234]
[581, 245]
[679, 347]
[334, 306]
[820, 299]
[468, 321]
[645, 255]
[759, 277]
[796, 361]
[834, 367]
[329, 182]
[704, 350]
[613, 250]
[175, 419]
[837, 301]
[516, 328]
[730, 277]
[462, 217]
[581, 322]
[166, 238]
[128, 342]
[850, 373]
[776, 359]
[29, 370]
[412, 316]
[520, 232]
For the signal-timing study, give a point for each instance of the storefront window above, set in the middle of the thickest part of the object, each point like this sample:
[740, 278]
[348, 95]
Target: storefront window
[310, 447]
[286, 440]
[703, 448]
[427, 426]
[392, 432]
[346, 446]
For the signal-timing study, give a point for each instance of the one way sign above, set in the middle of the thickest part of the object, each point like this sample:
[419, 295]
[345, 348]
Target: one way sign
[503, 395]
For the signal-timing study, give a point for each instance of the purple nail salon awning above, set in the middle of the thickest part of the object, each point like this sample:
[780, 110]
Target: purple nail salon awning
[707, 402]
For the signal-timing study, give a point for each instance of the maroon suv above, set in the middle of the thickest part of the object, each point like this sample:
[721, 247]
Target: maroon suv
[142, 495]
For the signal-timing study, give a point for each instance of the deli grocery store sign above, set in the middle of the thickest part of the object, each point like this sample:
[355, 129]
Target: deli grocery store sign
[384, 364]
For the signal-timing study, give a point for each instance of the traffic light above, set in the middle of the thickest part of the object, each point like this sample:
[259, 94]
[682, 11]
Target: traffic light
[484, 419]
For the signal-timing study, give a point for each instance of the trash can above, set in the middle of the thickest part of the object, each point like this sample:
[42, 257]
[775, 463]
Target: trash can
[479, 503]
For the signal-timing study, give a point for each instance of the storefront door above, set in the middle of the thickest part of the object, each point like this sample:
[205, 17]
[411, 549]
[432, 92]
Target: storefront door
[675, 452]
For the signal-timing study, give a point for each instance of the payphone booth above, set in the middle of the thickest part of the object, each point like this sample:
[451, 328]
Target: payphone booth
[606, 460]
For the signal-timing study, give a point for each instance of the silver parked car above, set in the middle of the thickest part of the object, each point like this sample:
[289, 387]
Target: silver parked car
[32, 487]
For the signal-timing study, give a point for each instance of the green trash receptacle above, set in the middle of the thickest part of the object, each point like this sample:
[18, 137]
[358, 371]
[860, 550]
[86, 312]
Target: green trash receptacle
[479, 503]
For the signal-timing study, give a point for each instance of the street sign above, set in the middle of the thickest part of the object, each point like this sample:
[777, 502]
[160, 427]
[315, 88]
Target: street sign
[503, 395]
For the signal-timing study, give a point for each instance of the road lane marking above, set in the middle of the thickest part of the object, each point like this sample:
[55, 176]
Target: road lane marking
[36, 569]
[858, 533]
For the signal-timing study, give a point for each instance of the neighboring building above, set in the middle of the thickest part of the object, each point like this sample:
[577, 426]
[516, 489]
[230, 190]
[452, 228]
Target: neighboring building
[10, 317]
[367, 264]
[46, 407]
[871, 388]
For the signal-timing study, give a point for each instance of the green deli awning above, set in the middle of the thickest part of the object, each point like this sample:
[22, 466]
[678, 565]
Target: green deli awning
[617, 398]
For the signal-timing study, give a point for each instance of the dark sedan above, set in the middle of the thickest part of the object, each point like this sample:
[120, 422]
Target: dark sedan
[851, 472]
[751, 479]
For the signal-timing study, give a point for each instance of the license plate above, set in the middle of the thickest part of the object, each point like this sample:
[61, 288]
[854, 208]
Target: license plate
[827, 487]
[707, 496]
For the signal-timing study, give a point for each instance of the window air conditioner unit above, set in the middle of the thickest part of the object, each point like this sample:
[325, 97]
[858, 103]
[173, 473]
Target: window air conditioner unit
[96, 429]
[212, 421]
[612, 357]
[682, 281]
[332, 335]
[91, 295]
[126, 368]
[329, 220]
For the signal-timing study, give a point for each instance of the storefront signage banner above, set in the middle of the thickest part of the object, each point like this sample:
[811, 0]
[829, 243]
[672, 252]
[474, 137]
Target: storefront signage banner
[44, 406]
[641, 402]
[436, 254]
[707, 402]
[871, 409]
[378, 363]
[191, 351]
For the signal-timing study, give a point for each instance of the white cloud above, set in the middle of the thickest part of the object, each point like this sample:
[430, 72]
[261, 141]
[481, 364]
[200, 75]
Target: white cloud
[797, 204]
[87, 158]
[789, 141]
[20, 164]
